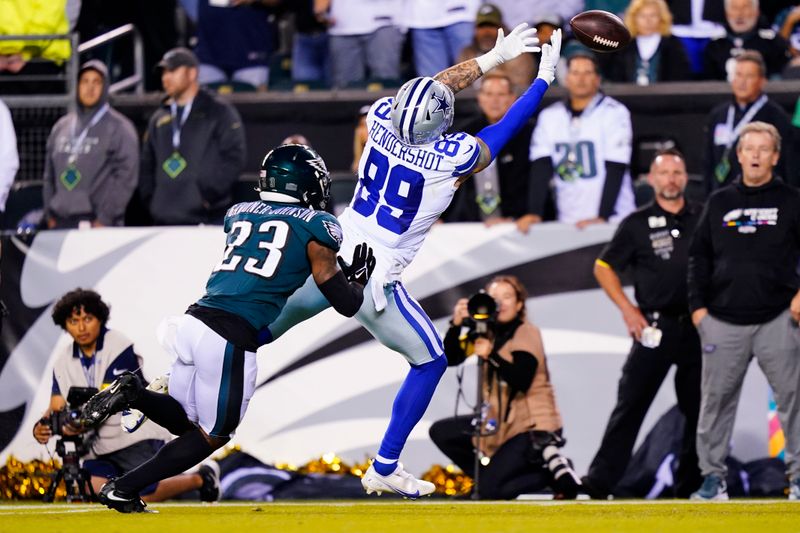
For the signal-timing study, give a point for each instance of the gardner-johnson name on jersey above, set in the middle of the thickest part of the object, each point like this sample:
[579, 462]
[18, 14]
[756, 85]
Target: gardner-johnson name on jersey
[262, 208]
[418, 157]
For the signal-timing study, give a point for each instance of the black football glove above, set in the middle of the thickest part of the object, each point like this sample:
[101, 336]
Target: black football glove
[360, 269]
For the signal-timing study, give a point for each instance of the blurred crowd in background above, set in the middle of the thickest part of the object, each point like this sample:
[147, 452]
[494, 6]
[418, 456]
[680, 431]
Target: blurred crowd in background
[573, 164]
[233, 46]
[278, 44]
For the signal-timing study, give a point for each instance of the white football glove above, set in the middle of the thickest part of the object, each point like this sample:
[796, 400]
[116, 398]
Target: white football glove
[522, 39]
[550, 55]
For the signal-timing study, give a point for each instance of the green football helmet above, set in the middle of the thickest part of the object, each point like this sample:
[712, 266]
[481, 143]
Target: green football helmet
[295, 173]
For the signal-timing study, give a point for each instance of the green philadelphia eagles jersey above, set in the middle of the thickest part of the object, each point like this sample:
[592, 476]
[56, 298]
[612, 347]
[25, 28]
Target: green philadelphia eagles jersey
[265, 260]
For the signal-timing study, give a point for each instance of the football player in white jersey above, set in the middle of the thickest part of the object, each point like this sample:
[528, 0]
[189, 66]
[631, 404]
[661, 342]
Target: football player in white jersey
[583, 144]
[407, 176]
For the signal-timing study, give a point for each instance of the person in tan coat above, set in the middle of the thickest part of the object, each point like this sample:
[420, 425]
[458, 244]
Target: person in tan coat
[521, 428]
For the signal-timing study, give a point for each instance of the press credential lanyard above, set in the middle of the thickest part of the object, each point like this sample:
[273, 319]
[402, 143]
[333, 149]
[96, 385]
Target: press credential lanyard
[724, 166]
[89, 371]
[177, 126]
[175, 163]
[77, 141]
[71, 175]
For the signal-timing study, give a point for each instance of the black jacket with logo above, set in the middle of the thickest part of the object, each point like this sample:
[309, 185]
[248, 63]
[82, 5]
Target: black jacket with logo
[771, 113]
[772, 47]
[212, 143]
[744, 255]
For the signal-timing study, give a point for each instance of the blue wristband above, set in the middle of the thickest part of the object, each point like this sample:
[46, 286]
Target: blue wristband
[497, 135]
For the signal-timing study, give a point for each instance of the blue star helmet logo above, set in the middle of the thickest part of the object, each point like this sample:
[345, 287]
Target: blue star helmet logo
[441, 104]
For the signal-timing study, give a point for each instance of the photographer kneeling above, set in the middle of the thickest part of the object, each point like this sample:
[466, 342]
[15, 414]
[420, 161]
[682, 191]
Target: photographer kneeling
[96, 357]
[521, 425]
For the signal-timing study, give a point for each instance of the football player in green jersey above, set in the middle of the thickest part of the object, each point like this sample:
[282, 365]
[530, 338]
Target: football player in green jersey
[273, 245]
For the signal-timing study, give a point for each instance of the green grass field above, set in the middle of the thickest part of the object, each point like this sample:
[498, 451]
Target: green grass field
[408, 517]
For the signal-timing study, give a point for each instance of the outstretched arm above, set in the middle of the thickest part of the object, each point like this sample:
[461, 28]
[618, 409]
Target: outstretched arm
[494, 137]
[522, 39]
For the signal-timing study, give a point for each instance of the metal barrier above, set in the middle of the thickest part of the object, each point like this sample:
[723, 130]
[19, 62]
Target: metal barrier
[35, 114]
[69, 77]
[136, 80]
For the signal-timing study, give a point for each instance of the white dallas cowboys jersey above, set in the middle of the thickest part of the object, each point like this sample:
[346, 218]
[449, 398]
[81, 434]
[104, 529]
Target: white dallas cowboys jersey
[579, 148]
[402, 190]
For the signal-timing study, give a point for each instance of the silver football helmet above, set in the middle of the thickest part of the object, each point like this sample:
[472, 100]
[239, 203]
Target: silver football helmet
[422, 110]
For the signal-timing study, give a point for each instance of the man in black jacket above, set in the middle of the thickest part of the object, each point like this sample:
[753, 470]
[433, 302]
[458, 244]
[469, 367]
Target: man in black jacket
[193, 151]
[498, 193]
[744, 298]
[745, 30]
[749, 104]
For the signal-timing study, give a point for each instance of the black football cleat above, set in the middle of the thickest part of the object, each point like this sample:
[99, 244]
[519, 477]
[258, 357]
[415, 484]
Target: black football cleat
[210, 491]
[124, 503]
[112, 399]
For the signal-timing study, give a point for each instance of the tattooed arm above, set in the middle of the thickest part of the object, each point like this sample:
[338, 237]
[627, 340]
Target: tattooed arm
[521, 40]
[494, 137]
[460, 76]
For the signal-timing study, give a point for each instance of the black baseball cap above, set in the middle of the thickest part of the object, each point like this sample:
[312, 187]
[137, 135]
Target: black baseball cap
[178, 57]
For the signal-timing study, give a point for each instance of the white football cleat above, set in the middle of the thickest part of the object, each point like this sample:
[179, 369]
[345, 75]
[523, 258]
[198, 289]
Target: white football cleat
[400, 482]
[132, 419]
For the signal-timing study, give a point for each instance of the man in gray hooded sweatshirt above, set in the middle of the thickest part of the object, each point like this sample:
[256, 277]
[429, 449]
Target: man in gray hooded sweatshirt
[92, 159]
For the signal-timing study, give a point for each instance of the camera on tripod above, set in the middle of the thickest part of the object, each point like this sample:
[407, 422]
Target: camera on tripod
[70, 418]
[71, 447]
[482, 311]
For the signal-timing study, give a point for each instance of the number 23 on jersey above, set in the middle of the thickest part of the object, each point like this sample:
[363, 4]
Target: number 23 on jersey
[270, 236]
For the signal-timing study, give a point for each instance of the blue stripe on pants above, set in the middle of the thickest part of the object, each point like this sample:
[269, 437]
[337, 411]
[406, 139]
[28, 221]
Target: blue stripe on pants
[424, 315]
[414, 323]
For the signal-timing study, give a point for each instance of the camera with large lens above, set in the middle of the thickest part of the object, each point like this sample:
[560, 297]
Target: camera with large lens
[57, 420]
[71, 416]
[482, 311]
[546, 451]
[566, 482]
[71, 447]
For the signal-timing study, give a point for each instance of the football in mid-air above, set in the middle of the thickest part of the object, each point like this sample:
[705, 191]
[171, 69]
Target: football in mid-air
[600, 30]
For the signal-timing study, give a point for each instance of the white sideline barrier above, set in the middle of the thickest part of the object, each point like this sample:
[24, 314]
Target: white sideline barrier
[341, 403]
